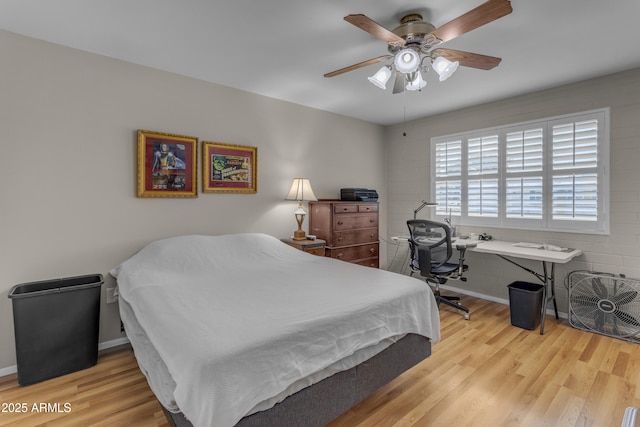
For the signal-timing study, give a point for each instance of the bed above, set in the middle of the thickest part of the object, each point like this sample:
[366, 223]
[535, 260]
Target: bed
[245, 330]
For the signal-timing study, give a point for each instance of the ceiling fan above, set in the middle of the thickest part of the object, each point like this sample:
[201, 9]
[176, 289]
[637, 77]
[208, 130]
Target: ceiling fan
[414, 41]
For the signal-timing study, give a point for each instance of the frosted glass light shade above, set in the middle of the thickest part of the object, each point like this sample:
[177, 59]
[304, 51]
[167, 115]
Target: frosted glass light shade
[416, 81]
[407, 61]
[381, 77]
[444, 67]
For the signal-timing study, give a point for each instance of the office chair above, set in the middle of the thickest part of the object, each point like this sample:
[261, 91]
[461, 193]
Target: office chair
[431, 250]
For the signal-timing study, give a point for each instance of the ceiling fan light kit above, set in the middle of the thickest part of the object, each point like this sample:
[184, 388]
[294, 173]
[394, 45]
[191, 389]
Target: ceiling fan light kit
[416, 82]
[414, 41]
[444, 67]
[407, 61]
[381, 77]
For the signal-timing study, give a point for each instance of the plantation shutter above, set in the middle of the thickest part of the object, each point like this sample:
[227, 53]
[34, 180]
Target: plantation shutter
[575, 175]
[523, 166]
[448, 171]
[482, 168]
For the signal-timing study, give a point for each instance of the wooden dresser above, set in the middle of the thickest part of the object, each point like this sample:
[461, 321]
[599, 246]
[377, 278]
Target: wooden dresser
[350, 230]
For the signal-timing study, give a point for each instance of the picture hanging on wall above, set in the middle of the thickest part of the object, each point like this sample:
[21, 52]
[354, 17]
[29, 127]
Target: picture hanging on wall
[228, 168]
[167, 165]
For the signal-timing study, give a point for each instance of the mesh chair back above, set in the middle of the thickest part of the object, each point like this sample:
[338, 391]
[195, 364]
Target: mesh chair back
[431, 234]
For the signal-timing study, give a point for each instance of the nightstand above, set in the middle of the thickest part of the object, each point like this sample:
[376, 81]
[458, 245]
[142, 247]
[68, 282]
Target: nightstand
[315, 247]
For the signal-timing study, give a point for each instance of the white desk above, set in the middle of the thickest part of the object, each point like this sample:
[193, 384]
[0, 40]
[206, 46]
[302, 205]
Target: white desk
[548, 258]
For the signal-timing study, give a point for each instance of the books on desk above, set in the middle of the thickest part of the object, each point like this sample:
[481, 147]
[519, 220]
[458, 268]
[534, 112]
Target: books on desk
[528, 245]
[540, 246]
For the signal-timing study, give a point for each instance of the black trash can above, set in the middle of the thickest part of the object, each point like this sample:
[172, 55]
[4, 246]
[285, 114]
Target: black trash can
[525, 304]
[56, 324]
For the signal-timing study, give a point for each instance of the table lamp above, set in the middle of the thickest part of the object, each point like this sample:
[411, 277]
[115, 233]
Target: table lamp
[301, 191]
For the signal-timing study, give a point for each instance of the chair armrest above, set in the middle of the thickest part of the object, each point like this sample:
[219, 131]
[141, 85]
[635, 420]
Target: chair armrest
[462, 247]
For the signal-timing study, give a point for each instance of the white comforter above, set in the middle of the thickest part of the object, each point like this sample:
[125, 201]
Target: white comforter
[237, 319]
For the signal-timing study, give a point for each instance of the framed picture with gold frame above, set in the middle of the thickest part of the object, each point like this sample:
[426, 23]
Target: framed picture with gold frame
[167, 165]
[229, 168]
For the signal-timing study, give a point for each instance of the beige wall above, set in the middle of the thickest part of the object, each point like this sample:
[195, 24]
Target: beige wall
[67, 200]
[408, 171]
[68, 123]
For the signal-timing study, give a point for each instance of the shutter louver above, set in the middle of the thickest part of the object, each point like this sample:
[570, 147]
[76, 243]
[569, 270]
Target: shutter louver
[483, 155]
[575, 197]
[482, 198]
[524, 198]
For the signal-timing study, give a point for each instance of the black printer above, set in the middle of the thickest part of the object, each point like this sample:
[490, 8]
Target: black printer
[358, 195]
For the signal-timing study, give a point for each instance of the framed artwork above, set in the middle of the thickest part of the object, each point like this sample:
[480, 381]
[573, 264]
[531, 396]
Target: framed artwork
[167, 165]
[228, 168]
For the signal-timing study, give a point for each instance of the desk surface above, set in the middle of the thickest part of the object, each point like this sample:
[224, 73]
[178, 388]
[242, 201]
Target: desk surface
[499, 247]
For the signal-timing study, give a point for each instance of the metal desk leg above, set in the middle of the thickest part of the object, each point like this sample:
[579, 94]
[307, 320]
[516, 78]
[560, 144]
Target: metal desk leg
[549, 285]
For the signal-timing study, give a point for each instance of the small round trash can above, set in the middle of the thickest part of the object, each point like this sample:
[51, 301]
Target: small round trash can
[56, 324]
[525, 304]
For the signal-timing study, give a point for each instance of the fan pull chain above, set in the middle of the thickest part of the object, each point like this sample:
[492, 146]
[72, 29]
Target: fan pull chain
[404, 112]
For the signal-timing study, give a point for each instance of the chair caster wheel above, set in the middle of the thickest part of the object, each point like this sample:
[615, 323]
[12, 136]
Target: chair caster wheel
[467, 316]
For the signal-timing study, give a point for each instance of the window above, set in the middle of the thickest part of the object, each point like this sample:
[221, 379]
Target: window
[550, 174]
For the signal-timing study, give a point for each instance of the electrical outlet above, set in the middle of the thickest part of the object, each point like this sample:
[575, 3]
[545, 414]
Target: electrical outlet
[111, 298]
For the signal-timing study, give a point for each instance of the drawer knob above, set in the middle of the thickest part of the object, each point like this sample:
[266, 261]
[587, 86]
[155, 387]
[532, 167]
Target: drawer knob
[339, 238]
[340, 222]
[372, 220]
[339, 255]
[372, 250]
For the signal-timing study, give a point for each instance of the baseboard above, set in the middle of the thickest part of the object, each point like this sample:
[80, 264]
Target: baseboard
[502, 301]
[8, 370]
[101, 347]
[113, 343]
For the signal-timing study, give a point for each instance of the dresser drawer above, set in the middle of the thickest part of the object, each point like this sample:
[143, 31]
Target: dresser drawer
[344, 208]
[373, 207]
[315, 251]
[354, 237]
[352, 253]
[349, 222]
[370, 262]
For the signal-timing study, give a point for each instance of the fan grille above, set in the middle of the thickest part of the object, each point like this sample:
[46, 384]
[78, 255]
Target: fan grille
[604, 304]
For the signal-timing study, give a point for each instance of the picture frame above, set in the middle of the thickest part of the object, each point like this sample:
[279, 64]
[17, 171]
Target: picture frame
[167, 165]
[229, 168]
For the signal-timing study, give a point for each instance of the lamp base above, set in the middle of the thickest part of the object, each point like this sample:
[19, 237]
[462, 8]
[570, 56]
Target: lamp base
[299, 235]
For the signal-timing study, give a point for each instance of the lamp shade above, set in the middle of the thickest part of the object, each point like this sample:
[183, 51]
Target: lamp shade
[407, 61]
[381, 77]
[300, 190]
[416, 82]
[444, 67]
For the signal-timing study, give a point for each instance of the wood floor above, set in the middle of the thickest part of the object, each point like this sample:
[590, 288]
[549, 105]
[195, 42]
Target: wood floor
[484, 372]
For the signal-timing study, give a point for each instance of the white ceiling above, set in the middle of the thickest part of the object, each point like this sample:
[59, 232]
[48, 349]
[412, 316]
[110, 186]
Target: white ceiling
[282, 48]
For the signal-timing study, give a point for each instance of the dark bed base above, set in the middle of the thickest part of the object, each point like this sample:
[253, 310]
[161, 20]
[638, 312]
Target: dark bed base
[323, 402]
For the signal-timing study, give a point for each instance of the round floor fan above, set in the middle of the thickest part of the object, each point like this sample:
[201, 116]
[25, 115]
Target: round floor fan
[604, 304]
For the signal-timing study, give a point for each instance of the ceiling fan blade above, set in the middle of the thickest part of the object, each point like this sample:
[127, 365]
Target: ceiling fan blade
[372, 27]
[358, 65]
[481, 15]
[467, 59]
[399, 84]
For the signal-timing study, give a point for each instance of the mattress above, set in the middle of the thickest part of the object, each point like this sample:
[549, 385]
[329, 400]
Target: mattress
[224, 326]
[163, 385]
